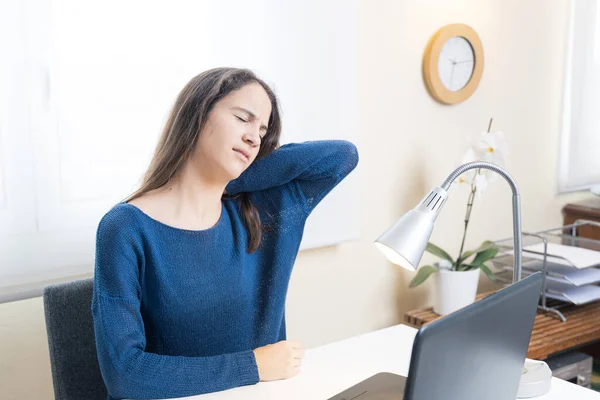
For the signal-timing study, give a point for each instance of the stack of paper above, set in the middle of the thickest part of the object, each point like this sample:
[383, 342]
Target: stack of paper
[574, 294]
[577, 257]
[571, 271]
[565, 274]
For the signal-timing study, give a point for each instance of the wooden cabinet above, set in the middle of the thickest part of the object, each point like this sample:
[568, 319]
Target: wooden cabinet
[588, 209]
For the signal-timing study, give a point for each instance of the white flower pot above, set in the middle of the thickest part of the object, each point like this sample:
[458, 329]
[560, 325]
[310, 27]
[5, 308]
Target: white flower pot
[454, 290]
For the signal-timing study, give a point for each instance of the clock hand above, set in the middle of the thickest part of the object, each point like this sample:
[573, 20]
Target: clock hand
[461, 62]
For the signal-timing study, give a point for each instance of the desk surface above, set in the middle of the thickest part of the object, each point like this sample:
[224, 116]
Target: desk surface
[330, 369]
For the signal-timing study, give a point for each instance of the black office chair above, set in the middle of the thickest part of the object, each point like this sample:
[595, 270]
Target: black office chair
[69, 325]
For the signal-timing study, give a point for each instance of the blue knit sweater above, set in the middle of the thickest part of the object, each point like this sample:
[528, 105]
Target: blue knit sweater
[178, 312]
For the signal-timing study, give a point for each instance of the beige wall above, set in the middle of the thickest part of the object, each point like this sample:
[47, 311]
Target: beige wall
[408, 144]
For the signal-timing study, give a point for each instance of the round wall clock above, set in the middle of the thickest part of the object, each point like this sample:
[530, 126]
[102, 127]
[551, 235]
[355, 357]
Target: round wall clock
[453, 63]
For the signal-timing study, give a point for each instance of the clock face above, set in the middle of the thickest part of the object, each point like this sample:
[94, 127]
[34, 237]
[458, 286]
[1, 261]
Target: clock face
[456, 63]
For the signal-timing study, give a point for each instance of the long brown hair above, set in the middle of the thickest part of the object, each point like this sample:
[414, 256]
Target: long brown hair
[186, 120]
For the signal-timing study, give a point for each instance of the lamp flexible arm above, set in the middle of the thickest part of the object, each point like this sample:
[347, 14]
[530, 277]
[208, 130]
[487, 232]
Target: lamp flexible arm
[516, 206]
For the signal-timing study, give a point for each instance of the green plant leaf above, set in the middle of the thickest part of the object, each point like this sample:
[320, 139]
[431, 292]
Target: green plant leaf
[488, 272]
[436, 251]
[466, 267]
[484, 246]
[485, 255]
[422, 275]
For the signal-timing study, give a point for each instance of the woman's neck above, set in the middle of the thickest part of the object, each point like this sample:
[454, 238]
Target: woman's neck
[194, 200]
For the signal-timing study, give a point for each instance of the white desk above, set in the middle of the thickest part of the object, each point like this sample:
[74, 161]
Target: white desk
[330, 369]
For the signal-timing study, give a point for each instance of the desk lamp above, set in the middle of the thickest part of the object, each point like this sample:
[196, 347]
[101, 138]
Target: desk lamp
[404, 244]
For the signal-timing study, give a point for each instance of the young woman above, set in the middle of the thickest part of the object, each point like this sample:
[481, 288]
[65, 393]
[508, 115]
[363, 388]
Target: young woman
[192, 270]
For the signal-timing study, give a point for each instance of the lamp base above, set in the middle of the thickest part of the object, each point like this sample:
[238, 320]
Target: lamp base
[535, 380]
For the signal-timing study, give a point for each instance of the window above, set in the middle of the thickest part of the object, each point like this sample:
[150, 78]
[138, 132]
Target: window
[88, 88]
[579, 158]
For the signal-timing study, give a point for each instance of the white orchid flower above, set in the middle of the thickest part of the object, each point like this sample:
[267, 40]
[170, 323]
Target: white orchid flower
[491, 147]
[486, 146]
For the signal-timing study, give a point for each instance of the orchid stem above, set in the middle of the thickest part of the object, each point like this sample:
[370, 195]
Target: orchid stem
[459, 259]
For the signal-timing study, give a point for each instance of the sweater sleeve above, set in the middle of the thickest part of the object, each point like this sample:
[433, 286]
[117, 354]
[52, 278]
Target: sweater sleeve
[127, 369]
[315, 168]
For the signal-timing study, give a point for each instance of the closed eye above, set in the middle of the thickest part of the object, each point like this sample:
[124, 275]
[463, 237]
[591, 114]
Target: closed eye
[246, 121]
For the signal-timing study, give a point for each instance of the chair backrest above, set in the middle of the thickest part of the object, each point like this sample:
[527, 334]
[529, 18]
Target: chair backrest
[71, 341]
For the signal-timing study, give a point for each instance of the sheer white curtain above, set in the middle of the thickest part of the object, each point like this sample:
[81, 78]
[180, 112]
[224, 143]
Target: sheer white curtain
[88, 87]
[579, 161]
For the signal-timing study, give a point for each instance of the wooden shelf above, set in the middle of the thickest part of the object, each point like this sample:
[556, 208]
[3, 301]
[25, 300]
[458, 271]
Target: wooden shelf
[549, 335]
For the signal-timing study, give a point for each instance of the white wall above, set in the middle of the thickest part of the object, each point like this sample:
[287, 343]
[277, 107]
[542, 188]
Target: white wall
[408, 144]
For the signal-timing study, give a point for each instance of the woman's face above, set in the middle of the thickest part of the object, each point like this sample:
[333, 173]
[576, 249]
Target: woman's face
[230, 140]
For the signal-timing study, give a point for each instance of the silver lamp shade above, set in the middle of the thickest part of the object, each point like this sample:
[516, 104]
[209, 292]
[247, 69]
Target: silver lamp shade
[404, 243]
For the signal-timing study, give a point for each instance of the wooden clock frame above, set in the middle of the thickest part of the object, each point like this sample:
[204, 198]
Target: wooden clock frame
[431, 58]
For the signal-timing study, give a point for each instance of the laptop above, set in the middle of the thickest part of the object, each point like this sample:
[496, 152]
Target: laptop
[475, 353]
